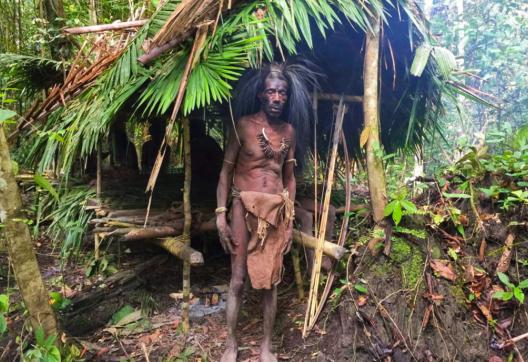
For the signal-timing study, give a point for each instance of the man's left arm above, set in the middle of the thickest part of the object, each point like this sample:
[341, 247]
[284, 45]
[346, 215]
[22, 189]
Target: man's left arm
[289, 182]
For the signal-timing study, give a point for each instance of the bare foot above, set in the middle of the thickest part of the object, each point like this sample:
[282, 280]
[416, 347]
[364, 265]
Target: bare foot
[267, 356]
[230, 354]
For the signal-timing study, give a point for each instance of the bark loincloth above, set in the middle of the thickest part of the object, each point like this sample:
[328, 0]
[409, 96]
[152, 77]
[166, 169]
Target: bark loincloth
[268, 218]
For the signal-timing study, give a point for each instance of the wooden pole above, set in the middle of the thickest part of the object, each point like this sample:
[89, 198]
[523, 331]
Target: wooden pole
[104, 27]
[332, 250]
[187, 221]
[296, 259]
[376, 174]
[337, 97]
[99, 180]
[181, 249]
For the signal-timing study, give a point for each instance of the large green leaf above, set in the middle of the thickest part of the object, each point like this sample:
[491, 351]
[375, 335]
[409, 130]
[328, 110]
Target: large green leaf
[6, 114]
[420, 60]
[3, 324]
[445, 60]
[4, 303]
[504, 279]
[43, 183]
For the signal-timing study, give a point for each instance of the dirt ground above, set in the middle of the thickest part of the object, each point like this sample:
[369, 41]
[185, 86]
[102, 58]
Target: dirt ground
[426, 319]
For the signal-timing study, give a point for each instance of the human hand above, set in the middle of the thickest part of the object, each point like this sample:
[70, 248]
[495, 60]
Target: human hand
[225, 235]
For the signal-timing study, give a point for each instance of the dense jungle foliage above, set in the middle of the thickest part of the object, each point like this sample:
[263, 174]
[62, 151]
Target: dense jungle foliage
[454, 284]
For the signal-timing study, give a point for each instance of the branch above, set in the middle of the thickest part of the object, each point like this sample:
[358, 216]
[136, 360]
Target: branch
[104, 27]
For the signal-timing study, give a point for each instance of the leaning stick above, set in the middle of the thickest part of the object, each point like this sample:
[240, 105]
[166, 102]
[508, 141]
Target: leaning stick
[332, 250]
[342, 233]
[312, 305]
[187, 222]
[104, 27]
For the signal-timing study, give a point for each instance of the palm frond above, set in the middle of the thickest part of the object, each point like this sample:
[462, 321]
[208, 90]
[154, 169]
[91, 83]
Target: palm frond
[30, 72]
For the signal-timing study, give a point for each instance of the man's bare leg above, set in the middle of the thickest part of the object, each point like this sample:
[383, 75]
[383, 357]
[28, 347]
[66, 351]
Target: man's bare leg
[238, 274]
[269, 299]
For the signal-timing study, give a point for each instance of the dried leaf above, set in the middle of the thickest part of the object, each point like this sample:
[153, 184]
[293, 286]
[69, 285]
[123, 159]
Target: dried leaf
[427, 316]
[362, 300]
[505, 259]
[482, 250]
[444, 269]
[485, 311]
[364, 137]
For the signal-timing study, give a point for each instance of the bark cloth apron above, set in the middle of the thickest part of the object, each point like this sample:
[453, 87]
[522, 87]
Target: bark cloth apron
[268, 217]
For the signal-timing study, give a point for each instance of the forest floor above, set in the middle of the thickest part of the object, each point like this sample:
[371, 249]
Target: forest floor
[157, 332]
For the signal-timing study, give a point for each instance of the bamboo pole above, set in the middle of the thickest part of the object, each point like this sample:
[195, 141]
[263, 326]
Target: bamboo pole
[187, 221]
[312, 305]
[376, 174]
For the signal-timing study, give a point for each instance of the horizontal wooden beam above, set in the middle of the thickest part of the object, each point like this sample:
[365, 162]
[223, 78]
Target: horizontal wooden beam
[337, 97]
[104, 27]
[330, 249]
[180, 250]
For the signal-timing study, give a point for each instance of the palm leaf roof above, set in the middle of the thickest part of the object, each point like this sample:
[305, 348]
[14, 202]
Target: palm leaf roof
[242, 34]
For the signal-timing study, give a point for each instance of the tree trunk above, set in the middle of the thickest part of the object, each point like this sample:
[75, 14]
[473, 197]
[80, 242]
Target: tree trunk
[20, 248]
[376, 175]
[428, 8]
[92, 9]
[53, 10]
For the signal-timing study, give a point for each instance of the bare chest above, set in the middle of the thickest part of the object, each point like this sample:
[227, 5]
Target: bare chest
[266, 143]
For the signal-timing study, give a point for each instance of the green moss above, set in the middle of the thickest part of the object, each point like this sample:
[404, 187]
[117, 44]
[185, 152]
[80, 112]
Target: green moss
[381, 269]
[410, 260]
[412, 270]
[401, 250]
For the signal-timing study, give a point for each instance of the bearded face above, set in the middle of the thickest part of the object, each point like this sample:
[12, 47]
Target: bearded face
[273, 97]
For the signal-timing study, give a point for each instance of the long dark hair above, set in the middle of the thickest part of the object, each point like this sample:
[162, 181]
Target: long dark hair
[302, 77]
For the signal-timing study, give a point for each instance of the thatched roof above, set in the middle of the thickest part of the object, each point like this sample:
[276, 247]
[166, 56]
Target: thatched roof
[243, 34]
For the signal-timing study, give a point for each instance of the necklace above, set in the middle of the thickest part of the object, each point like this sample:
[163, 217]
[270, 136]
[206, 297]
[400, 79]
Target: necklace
[267, 148]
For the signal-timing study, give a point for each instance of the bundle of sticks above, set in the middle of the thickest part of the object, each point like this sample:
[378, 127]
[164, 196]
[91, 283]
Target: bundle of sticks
[130, 225]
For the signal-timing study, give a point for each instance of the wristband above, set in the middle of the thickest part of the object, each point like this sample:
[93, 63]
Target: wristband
[220, 210]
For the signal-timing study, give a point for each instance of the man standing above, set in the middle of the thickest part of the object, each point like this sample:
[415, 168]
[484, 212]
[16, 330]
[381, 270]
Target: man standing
[258, 172]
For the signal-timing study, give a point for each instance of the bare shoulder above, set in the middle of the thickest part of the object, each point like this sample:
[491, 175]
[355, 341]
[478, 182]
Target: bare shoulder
[244, 123]
[289, 130]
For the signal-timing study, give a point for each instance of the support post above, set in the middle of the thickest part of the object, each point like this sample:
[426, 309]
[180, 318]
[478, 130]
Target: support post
[99, 181]
[376, 174]
[187, 220]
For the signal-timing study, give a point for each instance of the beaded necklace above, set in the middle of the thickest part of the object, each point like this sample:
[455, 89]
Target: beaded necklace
[267, 148]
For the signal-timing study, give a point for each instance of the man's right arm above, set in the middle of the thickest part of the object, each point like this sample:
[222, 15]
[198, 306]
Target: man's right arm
[222, 192]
